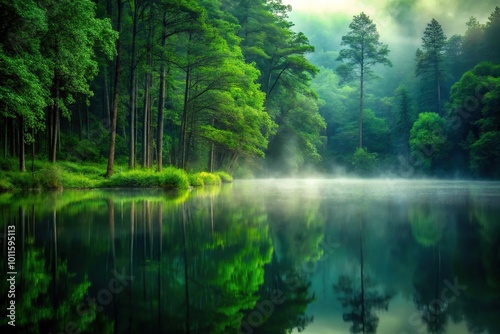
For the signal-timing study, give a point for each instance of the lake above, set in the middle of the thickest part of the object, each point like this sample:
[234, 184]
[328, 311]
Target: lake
[256, 256]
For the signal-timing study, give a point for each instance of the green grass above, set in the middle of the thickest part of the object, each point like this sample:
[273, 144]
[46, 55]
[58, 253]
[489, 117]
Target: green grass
[225, 177]
[196, 180]
[169, 178]
[85, 175]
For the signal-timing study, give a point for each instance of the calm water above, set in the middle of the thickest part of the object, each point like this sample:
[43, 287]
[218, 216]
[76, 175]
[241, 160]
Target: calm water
[318, 256]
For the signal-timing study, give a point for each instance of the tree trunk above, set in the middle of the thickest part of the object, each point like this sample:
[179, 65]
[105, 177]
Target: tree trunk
[54, 120]
[361, 108]
[438, 94]
[114, 111]
[131, 159]
[147, 102]
[161, 99]
[145, 123]
[184, 121]
[22, 162]
[106, 98]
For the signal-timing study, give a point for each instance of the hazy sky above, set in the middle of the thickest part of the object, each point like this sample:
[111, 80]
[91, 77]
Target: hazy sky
[397, 20]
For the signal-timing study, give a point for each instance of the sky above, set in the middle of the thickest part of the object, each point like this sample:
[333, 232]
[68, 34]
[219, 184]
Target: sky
[397, 20]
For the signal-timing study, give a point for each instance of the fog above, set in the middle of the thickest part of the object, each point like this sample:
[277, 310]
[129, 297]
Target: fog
[398, 21]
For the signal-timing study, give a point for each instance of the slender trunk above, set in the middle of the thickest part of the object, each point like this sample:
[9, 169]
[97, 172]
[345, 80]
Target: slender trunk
[80, 125]
[112, 131]
[22, 162]
[439, 95]
[161, 99]
[33, 153]
[131, 159]
[54, 125]
[150, 132]
[87, 114]
[361, 108]
[5, 137]
[145, 123]
[147, 101]
[184, 121]
[106, 98]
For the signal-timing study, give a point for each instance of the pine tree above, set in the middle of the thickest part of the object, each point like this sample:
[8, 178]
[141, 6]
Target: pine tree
[364, 50]
[430, 60]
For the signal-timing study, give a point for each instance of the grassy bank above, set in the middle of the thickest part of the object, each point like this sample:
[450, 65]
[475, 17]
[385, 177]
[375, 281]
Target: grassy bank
[70, 175]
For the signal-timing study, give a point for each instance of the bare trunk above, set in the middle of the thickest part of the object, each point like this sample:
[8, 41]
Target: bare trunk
[184, 121]
[161, 100]
[114, 111]
[131, 159]
[22, 162]
[145, 124]
[361, 109]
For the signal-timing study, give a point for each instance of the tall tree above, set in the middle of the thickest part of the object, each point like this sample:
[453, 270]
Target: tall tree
[24, 72]
[114, 110]
[364, 50]
[491, 32]
[430, 59]
[72, 64]
[404, 120]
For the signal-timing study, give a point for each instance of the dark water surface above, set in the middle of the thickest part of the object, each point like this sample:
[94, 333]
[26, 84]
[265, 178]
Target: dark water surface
[261, 256]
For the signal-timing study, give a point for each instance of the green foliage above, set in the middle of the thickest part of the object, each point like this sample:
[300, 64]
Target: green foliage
[169, 178]
[174, 178]
[5, 184]
[428, 138]
[50, 177]
[364, 48]
[224, 176]
[474, 111]
[210, 179]
[195, 180]
[485, 155]
[363, 162]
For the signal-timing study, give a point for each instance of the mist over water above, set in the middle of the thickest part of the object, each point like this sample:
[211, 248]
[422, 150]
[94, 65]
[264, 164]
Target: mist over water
[280, 254]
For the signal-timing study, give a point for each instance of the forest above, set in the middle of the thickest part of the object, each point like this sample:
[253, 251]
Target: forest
[230, 85]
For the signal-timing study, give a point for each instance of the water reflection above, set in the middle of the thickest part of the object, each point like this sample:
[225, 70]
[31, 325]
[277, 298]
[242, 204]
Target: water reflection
[258, 257]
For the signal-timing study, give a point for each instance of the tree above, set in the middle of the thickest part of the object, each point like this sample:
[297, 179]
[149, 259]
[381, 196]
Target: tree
[428, 138]
[491, 31]
[114, 109]
[474, 110]
[404, 119]
[431, 58]
[24, 72]
[72, 64]
[364, 50]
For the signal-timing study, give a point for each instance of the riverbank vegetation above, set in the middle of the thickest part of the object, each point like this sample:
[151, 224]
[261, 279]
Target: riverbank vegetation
[69, 175]
[138, 87]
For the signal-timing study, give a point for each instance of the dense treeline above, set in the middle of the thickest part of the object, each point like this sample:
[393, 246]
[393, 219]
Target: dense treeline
[434, 115]
[230, 85]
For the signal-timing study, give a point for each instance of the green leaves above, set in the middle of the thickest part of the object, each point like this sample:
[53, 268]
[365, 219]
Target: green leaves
[428, 138]
[429, 59]
[363, 46]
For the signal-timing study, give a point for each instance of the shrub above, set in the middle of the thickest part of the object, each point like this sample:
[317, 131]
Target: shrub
[171, 178]
[5, 184]
[20, 180]
[50, 177]
[225, 177]
[209, 178]
[196, 180]
[174, 178]
[364, 162]
[78, 181]
[135, 178]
